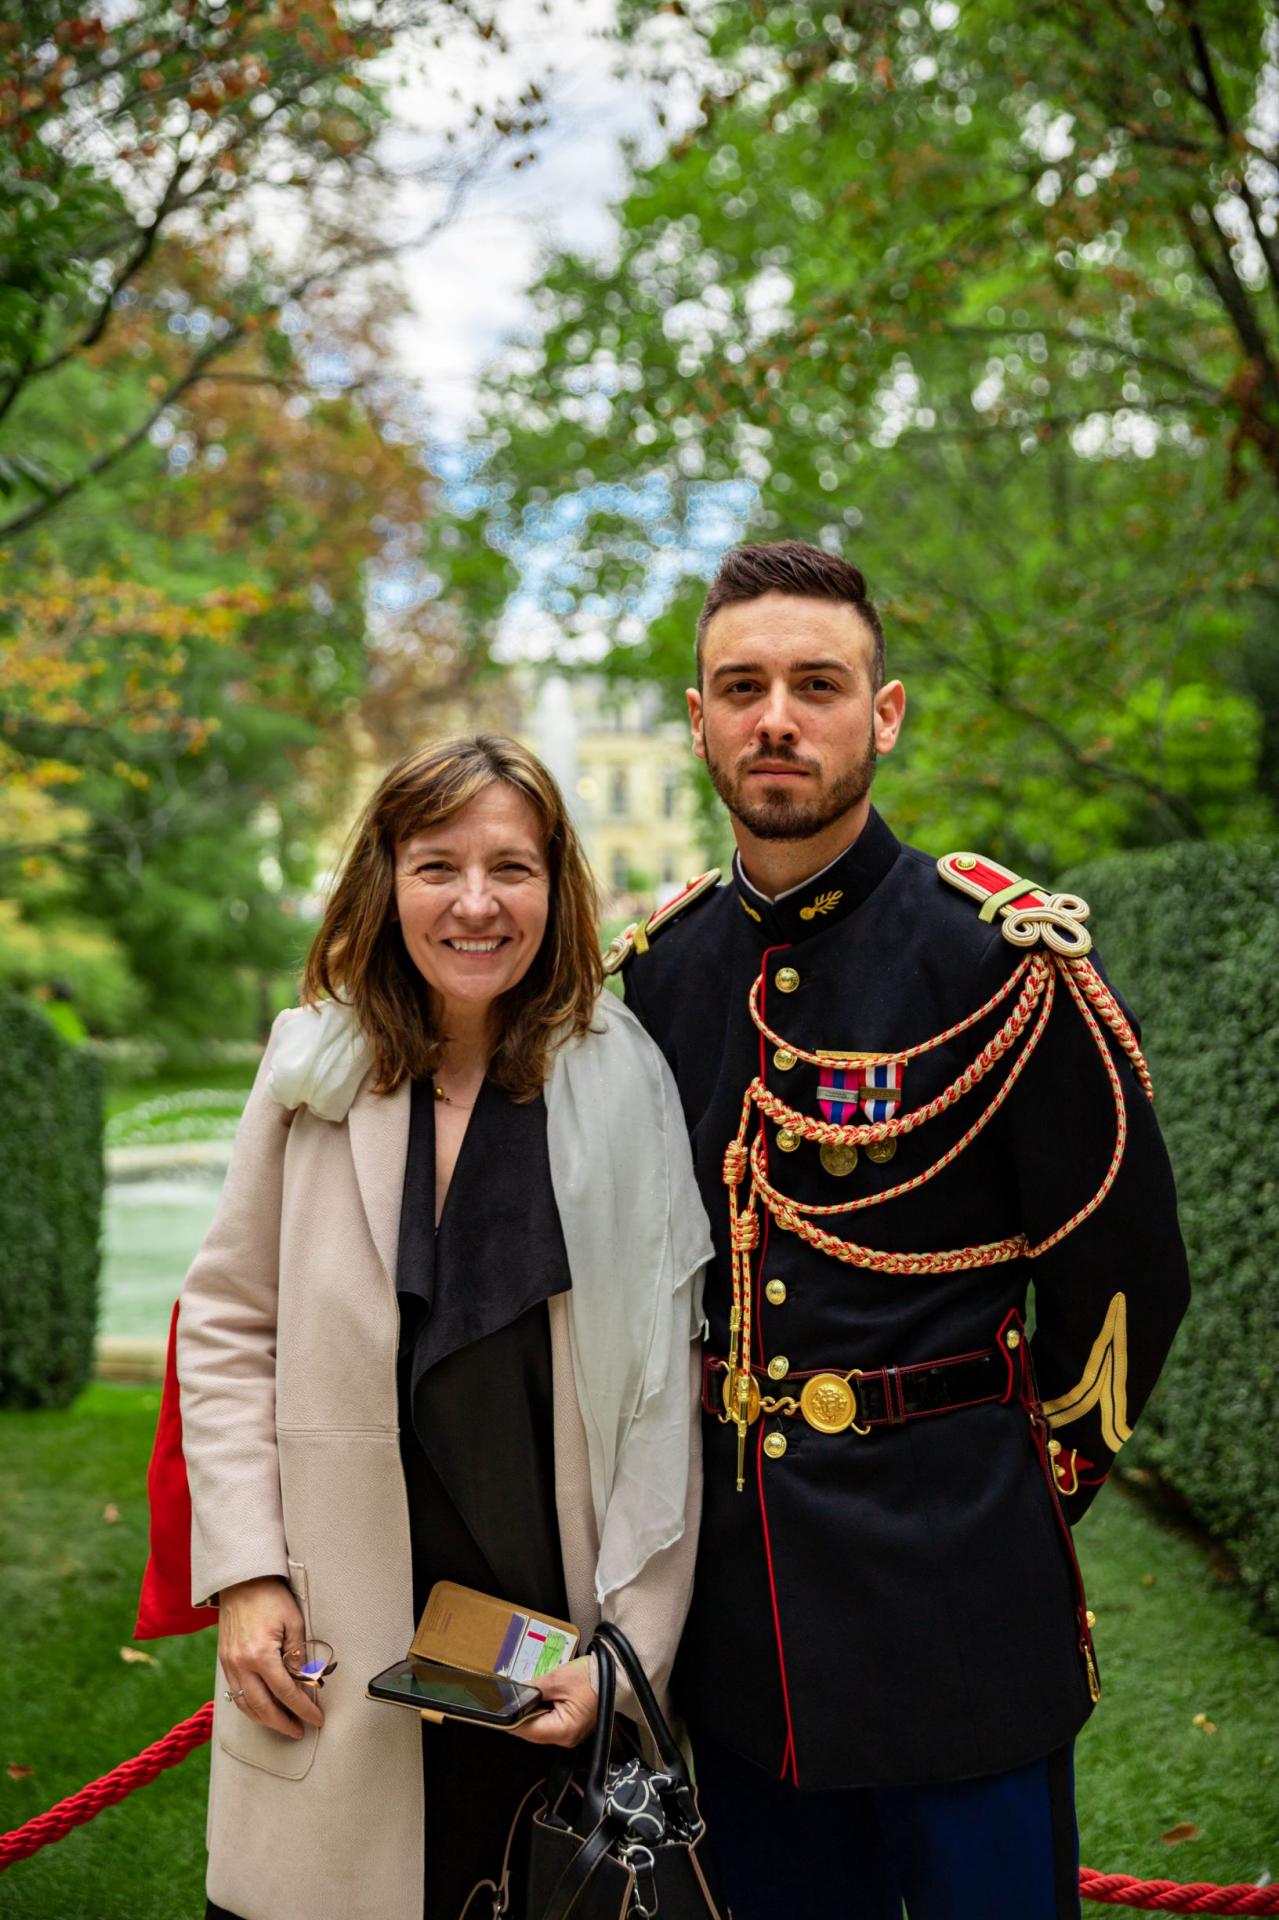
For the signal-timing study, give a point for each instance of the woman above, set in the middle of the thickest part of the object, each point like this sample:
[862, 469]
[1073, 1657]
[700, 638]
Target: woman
[444, 1326]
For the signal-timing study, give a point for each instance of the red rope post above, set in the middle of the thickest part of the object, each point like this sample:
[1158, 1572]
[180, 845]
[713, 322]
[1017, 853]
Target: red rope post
[123, 1780]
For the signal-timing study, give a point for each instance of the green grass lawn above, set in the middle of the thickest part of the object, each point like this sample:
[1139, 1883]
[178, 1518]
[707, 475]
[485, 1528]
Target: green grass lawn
[1174, 1642]
[70, 1707]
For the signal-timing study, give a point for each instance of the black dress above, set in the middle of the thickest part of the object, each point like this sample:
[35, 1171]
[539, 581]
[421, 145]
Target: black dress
[477, 1441]
[476, 1438]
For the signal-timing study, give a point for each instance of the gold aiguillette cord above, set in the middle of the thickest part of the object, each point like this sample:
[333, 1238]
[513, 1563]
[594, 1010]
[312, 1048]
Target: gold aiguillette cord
[744, 1229]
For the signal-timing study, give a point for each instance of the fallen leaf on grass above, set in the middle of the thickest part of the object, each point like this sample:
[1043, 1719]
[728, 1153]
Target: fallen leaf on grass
[111, 1513]
[15, 1772]
[1204, 1724]
[1175, 1835]
[136, 1657]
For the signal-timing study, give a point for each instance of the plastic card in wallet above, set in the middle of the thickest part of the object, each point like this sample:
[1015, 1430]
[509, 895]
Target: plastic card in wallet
[482, 1634]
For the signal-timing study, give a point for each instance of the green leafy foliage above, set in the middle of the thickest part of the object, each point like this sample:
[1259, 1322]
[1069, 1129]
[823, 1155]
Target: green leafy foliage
[984, 299]
[50, 1204]
[207, 476]
[1191, 937]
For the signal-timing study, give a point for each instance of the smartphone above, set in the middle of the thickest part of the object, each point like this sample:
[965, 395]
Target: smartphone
[455, 1694]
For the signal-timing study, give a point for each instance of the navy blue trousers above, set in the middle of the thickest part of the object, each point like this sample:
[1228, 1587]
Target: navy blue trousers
[1000, 1848]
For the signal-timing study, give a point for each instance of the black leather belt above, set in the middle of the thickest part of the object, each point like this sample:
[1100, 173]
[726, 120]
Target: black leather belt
[832, 1401]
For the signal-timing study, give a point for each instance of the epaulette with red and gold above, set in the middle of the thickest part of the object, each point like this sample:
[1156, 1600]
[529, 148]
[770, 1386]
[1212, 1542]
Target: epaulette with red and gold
[636, 937]
[1028, 912]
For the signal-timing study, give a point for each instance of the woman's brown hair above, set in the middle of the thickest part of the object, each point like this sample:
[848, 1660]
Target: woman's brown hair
[359, 956]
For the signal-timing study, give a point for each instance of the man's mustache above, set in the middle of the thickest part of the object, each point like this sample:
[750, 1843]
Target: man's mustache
[779, 757]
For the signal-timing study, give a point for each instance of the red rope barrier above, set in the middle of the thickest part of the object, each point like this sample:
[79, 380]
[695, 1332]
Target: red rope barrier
[123, 1780]
[1166, 1896]
[1106, 1889]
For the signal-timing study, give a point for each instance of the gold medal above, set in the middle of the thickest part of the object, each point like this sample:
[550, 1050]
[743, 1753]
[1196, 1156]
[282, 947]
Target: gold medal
[752, 1398]
[881, 1151]
[837, 1159]
[828, 1403]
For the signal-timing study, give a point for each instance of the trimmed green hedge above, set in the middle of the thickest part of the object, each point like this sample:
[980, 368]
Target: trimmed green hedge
[50, 1208]
[1190, 937]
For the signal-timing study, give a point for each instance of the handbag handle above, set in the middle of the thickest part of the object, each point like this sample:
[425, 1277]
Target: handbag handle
[615, 1643]
[593, 1786]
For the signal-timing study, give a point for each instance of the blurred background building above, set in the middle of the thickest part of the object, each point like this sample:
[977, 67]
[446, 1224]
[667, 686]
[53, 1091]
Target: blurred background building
[627, 773]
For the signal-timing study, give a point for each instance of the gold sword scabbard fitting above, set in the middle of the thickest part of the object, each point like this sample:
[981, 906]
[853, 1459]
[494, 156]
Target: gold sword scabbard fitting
[741, 1395]
[741, 1392]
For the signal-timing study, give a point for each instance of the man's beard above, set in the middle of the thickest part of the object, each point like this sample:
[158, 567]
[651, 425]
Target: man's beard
[780, 815]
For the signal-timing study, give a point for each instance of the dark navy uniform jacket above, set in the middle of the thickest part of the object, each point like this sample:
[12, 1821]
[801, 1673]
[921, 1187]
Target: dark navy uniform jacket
[901, 1606]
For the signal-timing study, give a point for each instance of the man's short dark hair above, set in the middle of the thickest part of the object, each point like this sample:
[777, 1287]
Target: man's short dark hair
[790, 566]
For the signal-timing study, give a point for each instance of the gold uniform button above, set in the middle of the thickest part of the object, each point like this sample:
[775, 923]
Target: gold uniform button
[775, 1445]
[786, 979]
[965, 862]
[1012, 1339]
[775, 1292]
[778, 1367]
[787, 1140]
[784, 1059]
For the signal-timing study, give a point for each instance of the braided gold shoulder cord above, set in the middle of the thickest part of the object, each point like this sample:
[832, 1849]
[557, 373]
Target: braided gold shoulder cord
[1036, 976]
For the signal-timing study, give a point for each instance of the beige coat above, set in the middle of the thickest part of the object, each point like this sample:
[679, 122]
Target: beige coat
[287, 1358]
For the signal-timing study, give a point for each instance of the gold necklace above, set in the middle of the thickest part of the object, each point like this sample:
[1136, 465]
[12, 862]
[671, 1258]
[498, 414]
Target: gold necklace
[463, 1106]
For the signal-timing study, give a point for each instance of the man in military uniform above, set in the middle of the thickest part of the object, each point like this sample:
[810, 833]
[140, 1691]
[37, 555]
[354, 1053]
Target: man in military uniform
[911, 1095]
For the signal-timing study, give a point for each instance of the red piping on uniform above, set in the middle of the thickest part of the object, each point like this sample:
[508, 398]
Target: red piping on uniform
[788, 1755]
[1011, 1319]
[1040, 1434]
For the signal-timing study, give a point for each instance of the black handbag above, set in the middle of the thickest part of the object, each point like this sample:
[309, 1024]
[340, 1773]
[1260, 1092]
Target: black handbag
[616, 1839]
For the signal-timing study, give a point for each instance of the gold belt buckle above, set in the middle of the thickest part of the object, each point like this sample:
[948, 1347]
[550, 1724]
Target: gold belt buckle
[829, 1403]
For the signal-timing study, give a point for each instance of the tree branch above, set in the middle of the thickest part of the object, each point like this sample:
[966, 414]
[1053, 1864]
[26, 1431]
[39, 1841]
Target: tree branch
[1212, 99]
[40, 508]
[1068, 336]
[369, 256]
[142, 252]
[1085, 770]
[1223, 276]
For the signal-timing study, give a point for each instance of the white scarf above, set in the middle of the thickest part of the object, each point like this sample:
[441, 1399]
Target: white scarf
[637, 1239]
